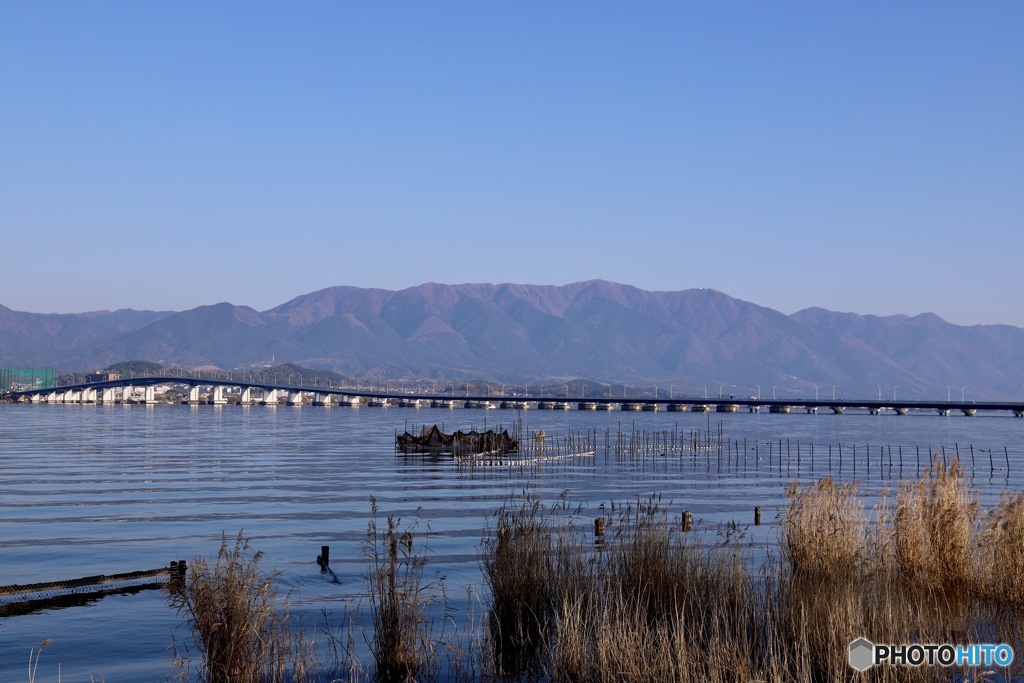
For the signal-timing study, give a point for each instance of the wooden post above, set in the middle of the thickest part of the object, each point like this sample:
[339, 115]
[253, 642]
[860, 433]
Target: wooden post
[687, 520]
[599, 527]
[757, 516]
[176, 575]
[324, 558]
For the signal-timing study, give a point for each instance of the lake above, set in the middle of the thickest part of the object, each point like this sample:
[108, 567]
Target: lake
[105, 489]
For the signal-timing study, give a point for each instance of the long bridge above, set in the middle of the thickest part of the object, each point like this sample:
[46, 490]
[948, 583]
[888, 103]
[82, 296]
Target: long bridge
[224, 390]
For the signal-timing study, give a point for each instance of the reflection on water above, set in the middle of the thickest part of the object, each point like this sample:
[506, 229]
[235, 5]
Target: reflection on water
[90, 490]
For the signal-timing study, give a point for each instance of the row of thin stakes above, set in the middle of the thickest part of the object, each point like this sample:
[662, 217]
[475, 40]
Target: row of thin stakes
[776, 454]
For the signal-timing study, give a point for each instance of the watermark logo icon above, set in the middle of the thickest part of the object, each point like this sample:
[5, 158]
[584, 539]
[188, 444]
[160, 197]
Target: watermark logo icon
[862, 654]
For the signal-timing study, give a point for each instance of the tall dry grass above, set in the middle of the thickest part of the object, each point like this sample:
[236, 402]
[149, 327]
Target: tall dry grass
[1003, 551]
[824, 530]
[408, 641]
[934, 529]
[239, 621]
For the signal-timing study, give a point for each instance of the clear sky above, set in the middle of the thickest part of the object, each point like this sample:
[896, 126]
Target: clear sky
[864, 157]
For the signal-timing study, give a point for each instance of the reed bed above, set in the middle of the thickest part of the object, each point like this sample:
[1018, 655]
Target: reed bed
[649, 601]
[635, 596]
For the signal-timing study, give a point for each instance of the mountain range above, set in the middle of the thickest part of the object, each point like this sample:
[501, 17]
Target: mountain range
[509, 333]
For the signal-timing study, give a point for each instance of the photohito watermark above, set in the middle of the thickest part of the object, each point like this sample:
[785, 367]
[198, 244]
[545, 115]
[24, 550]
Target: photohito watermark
[864, 654]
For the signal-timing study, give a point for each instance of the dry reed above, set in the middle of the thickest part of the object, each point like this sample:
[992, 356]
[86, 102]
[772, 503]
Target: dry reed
[239, 622]
[935, 535]
[406, 645]
[1003, 551]
[823, 530]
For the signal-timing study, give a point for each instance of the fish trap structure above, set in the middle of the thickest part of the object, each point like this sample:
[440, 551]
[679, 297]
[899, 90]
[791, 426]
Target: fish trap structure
[19, 599]
[433, 441]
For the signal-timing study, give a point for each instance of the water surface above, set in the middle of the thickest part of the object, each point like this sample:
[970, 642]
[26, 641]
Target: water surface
[93, 489]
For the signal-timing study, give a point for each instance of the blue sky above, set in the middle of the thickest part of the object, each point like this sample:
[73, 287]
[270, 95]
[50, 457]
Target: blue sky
[863, 157]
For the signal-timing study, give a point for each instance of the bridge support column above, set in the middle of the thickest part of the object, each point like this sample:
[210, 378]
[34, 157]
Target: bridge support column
[36, 398]
[812, 410]
[108, 396]
[127, 394]
[1018, 413]
[322, 400]
[838, 410]
[969, 412]
[217, 398]
[193, 396]
[53, 397]
[246, 398]
[943, 411]
[269, 397]
[875, 411]
[72, 397]
[900, 410]
[150, 395]
[88, 395]
[295, 398]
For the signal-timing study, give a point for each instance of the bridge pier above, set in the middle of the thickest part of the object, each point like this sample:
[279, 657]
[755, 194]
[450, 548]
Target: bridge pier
[943, 411]
[88, 395]
[150, 395]
[901, 410]
[127, 392]
[269, 397]
[875, 411]
[1018, 413]
[193, 396]
[811, 410]
[727, 408]
[586, 405]
[678, 407]
[786, 410]
[217, 397]
[838, 410]
[108, 395]
[246, 398]
[969, 412]
[295, 398]
[321, 399]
